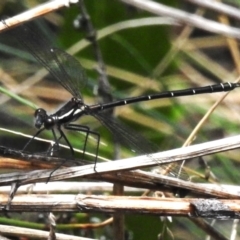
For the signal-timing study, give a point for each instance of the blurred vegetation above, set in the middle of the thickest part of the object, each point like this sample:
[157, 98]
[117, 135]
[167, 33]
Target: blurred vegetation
[134, 58]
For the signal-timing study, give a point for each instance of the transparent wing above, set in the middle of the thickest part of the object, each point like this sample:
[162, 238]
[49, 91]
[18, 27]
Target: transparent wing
[128, 137]
[62, 66]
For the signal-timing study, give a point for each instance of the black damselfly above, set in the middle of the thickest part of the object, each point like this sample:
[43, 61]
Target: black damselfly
[71, 75]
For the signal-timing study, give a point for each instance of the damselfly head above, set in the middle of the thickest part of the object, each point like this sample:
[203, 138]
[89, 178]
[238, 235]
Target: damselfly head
[40, 117]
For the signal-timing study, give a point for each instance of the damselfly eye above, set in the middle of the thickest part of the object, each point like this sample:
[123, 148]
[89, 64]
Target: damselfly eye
[40, 117]
[40, 112]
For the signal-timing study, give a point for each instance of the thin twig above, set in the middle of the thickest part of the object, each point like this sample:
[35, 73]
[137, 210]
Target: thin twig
[184, 17]
[193, 207]
[103, 83]
[147, 180]
[33, 13]
[37, 234]
[218, 7]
